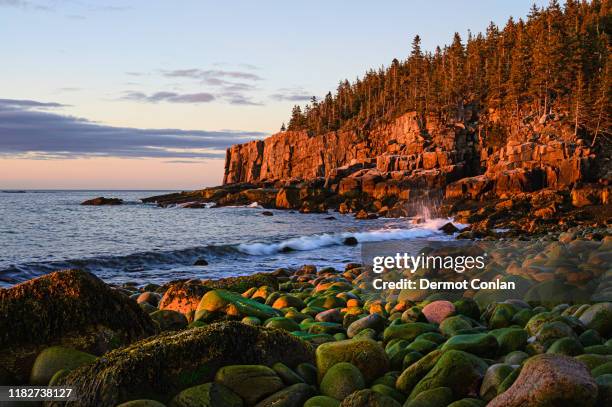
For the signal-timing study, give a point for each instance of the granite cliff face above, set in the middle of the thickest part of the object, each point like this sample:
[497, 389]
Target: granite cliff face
[528, 174]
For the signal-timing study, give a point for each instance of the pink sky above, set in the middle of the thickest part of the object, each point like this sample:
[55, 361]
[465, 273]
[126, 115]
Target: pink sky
[108, 173]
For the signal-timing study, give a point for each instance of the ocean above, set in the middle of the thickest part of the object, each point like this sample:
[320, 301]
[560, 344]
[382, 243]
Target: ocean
[45, 231]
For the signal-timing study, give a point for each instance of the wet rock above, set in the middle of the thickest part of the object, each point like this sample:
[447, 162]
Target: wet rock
[169, 320]
[71, 308]
[341, 380]
[368, 356]
[206, 395]
[484, 345]
[604, 393]
[510, 339]
[251, 382]
[416, 371]
[56, 358]
[566, 346]
[550, 380]
[293, 396]
[449, 228]
[493, 378]
[438, 397]
[287, 375]
[150, 366]
[183, 297]
[458, 370]
[372, 321]
[233, 304]
[142, 403]
[407, 331]
[200, 262]
[350, 241]
[438, 311]
[149, 298]
[282, 323]
[99, 201]
[599, 318]
[369, 398]
[322, 401]
[267, 213]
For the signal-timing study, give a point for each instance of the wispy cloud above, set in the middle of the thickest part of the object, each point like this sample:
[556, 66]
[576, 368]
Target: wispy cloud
[291, 95]
[37, 130]
[205, 74]
[25, 4]
[171, 97]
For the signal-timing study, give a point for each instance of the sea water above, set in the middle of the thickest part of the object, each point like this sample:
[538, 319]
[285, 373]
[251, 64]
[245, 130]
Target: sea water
[45, 231]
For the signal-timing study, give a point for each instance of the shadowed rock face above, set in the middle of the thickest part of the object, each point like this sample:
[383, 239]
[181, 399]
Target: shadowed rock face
[160, 367]
[72, 308]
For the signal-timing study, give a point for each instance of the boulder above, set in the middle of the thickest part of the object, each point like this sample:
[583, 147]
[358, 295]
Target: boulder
[184, 297]
[367, 355]
[484, 345]
[206, 395]
[372, 321]
[340, 380]
[407, 331]
[233, 304]
[369, 398]
[599, 318]
[169, 320]
[99, 201]
[438, 397]
[462, 372]
[71, 308]
[251, 382]
[322, 401]
[438, 311]
[54, 359]
[550, 380]
[293, 396]
[163, 366]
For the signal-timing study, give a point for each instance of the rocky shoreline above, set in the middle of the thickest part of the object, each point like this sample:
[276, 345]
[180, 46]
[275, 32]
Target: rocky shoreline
[322, 337]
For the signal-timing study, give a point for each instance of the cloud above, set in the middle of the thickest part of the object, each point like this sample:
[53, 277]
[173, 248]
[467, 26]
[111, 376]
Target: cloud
[23, 4]
[234, 98]
[291, 95]
[194, 73]
[35, 130]
[171, 97]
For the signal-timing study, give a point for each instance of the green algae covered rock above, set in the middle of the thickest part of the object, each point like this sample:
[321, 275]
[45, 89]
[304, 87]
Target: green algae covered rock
[250, 382]
[368, 356]
[606, 368]
[450, 326]
[142, 403]
[341, 380]
[242, 283]
[389, 391]
[438, 397]
[484, 345]
[169, 320]
[369, 398]
[287, 375]
[516, 358]
[599, 318]
[550, 380]
[493, 378]
[71, 308]
[282, 323]
[566, 346]
[604, 393]
[407, 331]
[294, 395]
[233, 304]
[592, 361]
[510, 339]
[416, 371]
[165, 365]
[322, 401]
[372, 321]
[468, 402]
[458, 370]
[206, 395]
[56, 358]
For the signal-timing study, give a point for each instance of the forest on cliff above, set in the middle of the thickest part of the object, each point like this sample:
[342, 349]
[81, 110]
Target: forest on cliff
[556, 61]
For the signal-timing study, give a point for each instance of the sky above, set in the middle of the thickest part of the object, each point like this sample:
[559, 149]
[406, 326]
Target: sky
[148, 94]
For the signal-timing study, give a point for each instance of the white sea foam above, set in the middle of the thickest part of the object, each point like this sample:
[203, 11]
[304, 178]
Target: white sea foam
[313, 242]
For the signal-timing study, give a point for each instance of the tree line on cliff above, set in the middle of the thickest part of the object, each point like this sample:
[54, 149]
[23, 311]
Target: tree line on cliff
[557, 60]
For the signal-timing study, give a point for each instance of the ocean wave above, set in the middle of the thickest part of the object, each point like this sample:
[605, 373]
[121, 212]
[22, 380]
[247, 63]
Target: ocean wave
[313, 242]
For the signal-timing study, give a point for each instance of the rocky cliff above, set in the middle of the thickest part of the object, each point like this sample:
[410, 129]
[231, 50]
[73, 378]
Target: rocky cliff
[484, 170]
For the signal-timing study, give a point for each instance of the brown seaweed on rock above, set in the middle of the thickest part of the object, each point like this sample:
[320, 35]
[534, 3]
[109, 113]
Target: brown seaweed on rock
[160, 367]
[72, 308]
